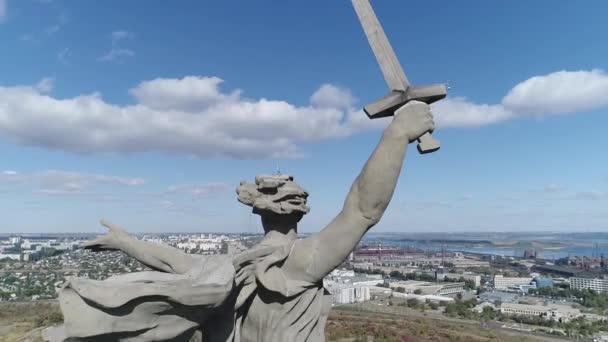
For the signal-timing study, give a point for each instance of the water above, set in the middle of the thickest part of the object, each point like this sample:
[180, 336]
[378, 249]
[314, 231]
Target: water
[514, 252]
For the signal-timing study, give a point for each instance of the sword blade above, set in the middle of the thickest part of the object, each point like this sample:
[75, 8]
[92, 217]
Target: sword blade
[389, 64]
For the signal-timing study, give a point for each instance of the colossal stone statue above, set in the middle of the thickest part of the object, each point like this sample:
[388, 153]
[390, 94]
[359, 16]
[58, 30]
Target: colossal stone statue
[271, 292]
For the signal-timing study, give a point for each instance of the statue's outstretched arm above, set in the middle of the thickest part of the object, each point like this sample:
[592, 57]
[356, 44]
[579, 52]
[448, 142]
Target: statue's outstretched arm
[159, 257]
[367, 200]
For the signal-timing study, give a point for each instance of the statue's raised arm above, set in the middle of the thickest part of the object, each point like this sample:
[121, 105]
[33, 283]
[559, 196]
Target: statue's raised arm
[314, 257]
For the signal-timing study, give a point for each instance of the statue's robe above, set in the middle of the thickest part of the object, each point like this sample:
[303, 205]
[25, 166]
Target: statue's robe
[248, 298]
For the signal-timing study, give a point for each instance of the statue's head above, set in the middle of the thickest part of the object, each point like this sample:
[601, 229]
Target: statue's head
[274, 195]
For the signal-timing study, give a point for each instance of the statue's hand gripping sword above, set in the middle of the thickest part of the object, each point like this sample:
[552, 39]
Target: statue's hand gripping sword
[400, 89]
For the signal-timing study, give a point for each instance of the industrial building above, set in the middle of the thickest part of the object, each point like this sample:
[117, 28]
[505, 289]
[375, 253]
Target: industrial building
[554, 312]
[502, 283]
[426, 288]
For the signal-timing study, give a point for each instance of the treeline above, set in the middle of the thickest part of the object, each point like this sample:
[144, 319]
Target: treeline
[581, 326]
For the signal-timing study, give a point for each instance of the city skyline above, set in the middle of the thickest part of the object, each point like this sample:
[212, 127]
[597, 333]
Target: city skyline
[151, 116]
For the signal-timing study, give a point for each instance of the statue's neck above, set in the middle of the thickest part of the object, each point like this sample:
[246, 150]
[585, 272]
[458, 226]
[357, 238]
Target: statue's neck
[280, 227]
[282, 234]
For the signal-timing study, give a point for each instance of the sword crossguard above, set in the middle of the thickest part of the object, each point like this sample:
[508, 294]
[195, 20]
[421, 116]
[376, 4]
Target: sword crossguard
[387, 105]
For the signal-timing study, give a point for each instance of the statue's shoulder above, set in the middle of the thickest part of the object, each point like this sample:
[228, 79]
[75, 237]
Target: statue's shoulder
[214, 268]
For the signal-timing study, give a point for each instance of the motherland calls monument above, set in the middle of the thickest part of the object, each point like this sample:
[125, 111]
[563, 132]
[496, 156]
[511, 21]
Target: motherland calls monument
[274, 291]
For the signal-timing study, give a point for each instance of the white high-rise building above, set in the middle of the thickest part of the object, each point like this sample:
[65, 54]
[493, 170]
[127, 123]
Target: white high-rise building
[595, 284]
[346, 294]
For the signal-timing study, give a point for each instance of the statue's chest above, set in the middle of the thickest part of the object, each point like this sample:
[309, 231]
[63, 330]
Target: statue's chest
[268, 310]
[273, 317]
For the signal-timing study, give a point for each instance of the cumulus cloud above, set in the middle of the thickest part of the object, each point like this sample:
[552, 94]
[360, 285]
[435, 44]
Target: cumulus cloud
[57, 181]
[194, 116]
[559, 92]
[190, 93]
[331, 96]
[460, 112]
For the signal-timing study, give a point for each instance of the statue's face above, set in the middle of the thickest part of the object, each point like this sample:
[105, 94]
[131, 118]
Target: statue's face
[275, 193]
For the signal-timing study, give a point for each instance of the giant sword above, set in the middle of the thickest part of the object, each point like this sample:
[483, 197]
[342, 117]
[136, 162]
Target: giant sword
[400, 90]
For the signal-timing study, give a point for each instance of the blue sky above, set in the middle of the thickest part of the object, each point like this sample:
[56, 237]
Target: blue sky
[149, 116]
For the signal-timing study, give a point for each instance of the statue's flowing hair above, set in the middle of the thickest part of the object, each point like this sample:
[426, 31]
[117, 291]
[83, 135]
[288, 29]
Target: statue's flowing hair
[275, 193]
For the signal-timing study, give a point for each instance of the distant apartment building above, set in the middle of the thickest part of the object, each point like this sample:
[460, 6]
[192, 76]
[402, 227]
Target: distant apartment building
[502, 283]
[346, 286]
[596, 284]
[346, 294]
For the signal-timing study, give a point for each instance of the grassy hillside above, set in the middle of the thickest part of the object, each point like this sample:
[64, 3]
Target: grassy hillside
[23, 322]
[347, 325]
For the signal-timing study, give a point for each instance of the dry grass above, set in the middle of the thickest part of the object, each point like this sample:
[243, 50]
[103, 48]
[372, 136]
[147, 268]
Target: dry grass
[18, 320]
[21, 322]
[380, 327]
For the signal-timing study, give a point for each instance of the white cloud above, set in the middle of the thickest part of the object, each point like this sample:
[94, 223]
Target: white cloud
[45, 85]
[194, 117]
[460, 112]
[190, 93]
[556, 93]
[331, 96]
[117, 36]
[118, 52]
[2, 10]
[559, 92]
[61, 182]
[200, 189]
